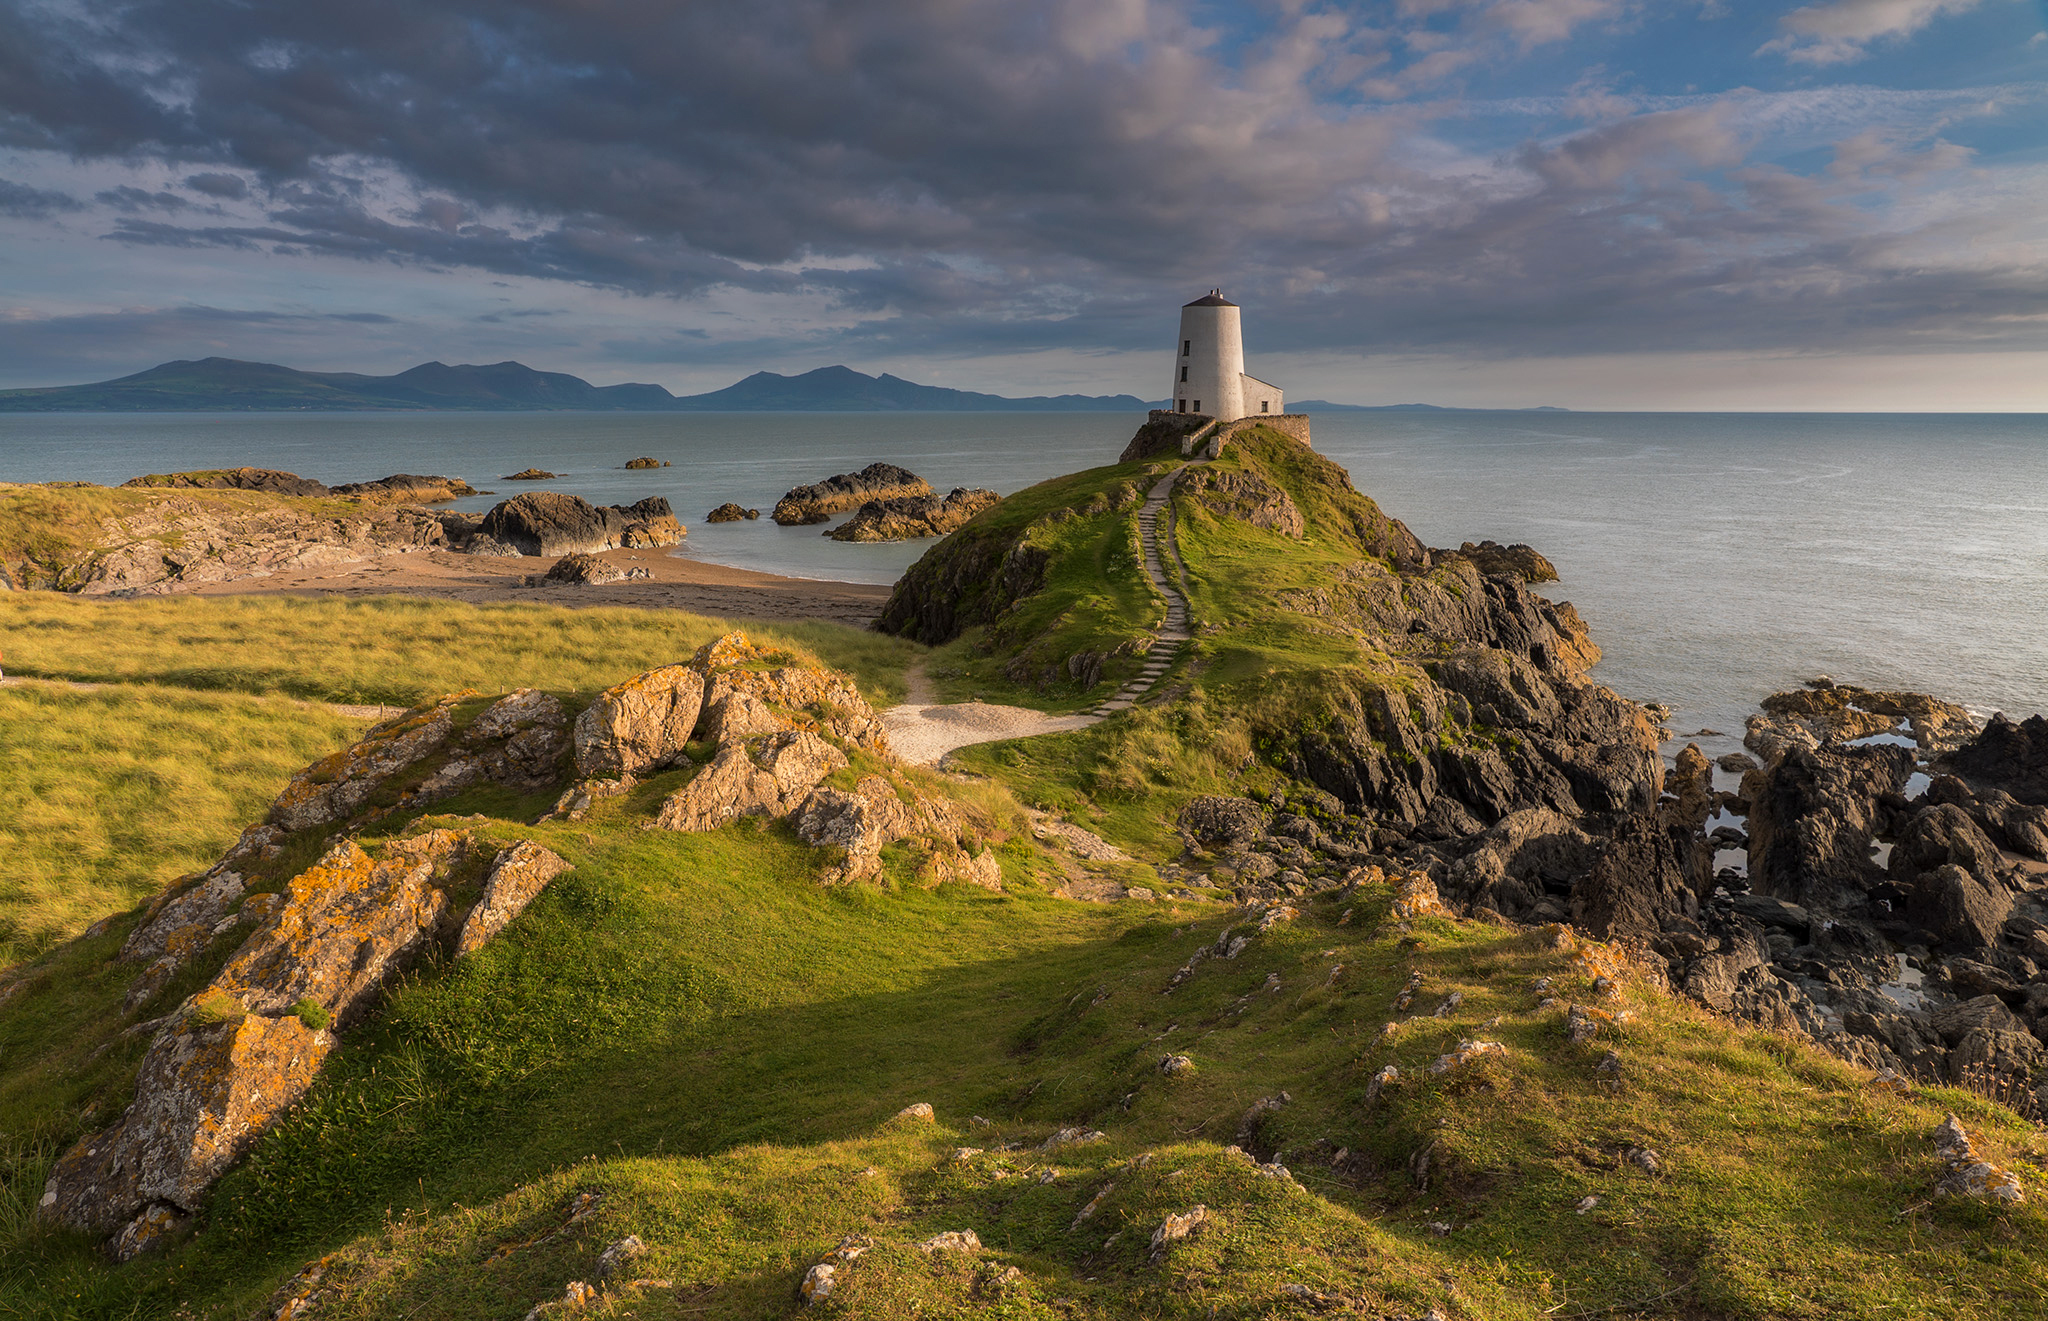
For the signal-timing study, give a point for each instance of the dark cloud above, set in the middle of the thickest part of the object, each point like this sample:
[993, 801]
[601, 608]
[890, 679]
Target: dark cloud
[26, 203]
[981, 175]
[126, 198]
[229, 187]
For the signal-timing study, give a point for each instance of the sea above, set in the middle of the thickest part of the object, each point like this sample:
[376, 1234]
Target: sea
[1718, 557]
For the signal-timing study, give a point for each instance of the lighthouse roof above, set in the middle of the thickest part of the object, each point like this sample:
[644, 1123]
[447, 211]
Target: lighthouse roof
[1215, 298]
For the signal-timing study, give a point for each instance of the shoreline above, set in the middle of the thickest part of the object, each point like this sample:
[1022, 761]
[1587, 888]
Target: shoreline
[673, 582]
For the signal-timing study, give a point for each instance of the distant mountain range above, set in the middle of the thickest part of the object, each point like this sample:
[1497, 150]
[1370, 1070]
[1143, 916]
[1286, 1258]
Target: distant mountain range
[230, 385]
[219, 385]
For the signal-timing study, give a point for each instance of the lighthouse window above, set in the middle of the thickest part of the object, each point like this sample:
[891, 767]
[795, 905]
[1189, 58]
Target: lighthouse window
[1198, 405]
[1187, 347]
[1183, 373]
[1263, 408]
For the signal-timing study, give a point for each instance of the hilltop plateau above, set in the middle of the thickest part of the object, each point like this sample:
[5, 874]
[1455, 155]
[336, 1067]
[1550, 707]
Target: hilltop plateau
[1368, 959]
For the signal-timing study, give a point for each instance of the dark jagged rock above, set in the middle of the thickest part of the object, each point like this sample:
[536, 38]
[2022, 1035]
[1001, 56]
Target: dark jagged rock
[1963, 911]
[233, 479]
[550, 523]
[1515, 561]
[910, 517]
[1514, 864]
[1938, 836]
[1812, 819]
[820, 500]
[1642, 880]
[2007, 756]
[2012, 825]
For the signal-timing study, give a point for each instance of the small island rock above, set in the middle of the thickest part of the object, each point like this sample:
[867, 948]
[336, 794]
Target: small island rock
[730, 513]
[820, 500]
[909, 517]
[532, 475]
[644, 462]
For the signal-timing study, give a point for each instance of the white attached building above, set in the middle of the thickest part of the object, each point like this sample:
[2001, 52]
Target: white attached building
[1208, 371]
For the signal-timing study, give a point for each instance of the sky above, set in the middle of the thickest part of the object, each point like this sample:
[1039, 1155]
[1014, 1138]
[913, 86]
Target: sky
[1493, 203]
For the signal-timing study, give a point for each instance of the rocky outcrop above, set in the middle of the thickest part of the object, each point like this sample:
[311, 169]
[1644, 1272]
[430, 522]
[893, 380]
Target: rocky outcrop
[910, 517]
[1244, 496]
[874, 814]
[551, 523]
[765, 776]
[1825, 711]
[1214, 819]
[338, 786]
[730, 513]
[2009, 757]
[1813, 818]
[645, 462]
[232, 479]
[640, 725]
[516, 878]
[746, 694]
[1492, 558]
[2017, 827]
[820, 500]
[530, 475]
[407, 488]
[234, 1057]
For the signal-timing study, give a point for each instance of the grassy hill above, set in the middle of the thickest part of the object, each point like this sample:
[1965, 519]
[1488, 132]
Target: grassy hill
[691, 1041]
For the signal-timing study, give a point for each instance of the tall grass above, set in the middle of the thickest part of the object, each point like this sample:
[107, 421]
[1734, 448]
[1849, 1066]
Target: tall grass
[107, 795]
[394, 650]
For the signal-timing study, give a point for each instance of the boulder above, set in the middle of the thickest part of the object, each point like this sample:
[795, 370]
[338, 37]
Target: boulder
[1639, 883]
[862, 821]
[820, 500]
[1515, 862]
[1811, 821]
[338, 786]
[2001, 1062]
[1691, 782]
[742, 699]
[1984, 1013]
[531, 475]
[181, 921]
[206, 1090]
[768, 779]
[640, 725]
[1214, 819]
[730, 513]
[1939, 836]
[1963, 912]
[553, 524]
[2014, 826]
[520, 738]
[911, 517]
[1493, 559]
[582, 569]
[2009, 756]
[647, 463]
[516, 878]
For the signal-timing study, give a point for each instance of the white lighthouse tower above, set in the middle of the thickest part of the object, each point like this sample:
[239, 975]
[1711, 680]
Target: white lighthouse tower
[1208, 369]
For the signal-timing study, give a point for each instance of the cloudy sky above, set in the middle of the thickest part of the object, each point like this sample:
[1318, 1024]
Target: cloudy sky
[1594, 203]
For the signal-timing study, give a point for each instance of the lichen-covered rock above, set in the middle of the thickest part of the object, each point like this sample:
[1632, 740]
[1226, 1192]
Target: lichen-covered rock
[744, 698]
[766, 779]
[182, 920]
[1466, 1053]
[349, 922]
[205, 1092]
[640, 725]
[862, 821]
[1968, 1174]
[336, 787]
[949, 862]
[516, 877]
[520, 738]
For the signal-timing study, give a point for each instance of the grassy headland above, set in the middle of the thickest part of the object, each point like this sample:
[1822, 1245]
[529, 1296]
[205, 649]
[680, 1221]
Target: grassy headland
[693, 1029]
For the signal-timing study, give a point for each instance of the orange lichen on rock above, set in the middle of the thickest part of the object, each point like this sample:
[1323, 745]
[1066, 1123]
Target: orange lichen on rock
[338, 786]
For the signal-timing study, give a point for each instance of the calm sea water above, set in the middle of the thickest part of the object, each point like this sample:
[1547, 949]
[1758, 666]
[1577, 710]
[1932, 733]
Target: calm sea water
[1718, 557]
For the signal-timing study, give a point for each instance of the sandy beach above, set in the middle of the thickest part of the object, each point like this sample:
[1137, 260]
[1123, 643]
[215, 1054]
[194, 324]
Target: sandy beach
[672, 583]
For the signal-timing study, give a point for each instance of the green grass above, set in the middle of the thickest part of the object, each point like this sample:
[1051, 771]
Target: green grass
[394, 650]
[106, 796]
[692, 1027]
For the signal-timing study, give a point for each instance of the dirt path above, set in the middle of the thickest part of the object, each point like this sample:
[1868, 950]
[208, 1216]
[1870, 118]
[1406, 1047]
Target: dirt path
[1160, 551]
[922, 731]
